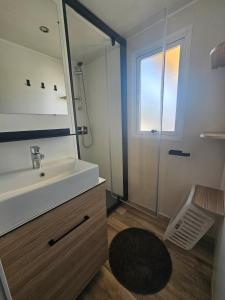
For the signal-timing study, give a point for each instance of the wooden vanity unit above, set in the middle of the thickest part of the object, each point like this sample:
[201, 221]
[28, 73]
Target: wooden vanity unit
[55, 255]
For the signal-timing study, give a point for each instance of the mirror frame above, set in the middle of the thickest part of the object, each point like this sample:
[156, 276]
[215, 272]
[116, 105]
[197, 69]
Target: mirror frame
[13, 136]
[115, 37]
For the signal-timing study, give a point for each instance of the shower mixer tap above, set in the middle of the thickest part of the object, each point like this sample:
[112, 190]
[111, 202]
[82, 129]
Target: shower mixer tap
[82, 130]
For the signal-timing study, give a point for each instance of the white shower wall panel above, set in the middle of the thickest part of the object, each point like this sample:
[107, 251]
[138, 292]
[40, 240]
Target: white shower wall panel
[102, 86]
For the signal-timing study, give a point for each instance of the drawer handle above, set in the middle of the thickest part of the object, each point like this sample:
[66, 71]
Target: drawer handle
[53, 242]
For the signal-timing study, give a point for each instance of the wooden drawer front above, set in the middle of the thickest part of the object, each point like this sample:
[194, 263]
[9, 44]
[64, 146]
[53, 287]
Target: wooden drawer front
[36, 270]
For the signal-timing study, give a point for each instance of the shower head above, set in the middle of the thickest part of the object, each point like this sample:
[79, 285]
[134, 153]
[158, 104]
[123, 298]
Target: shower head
[80, 64]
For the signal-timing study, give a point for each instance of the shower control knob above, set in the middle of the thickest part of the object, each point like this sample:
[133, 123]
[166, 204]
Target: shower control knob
[82, 130]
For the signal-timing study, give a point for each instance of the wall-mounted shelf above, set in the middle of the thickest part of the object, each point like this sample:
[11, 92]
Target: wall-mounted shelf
[33, 134]
[218, 56]
[209, 199]
[213, 135]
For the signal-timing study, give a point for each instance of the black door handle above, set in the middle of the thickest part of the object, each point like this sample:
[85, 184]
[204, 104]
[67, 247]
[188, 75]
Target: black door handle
[154, 131]
[179, 153]
[53, 242]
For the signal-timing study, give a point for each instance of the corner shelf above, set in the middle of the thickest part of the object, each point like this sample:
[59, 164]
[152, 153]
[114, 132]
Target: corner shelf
[213, 135]
[218, 56]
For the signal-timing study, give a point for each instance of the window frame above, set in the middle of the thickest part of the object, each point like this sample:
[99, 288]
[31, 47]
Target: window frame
[182, 38]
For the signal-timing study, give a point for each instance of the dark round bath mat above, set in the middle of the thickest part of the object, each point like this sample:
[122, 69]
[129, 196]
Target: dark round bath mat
[140, 261]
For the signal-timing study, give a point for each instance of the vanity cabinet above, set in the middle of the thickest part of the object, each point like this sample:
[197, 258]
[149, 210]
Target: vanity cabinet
[57, 254]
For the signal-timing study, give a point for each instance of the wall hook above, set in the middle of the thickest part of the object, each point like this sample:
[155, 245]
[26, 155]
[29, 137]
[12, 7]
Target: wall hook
[42, 85]
[28, 82]
[55, 87]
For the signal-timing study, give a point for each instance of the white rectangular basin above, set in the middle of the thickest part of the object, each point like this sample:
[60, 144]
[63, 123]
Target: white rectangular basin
[27, 194]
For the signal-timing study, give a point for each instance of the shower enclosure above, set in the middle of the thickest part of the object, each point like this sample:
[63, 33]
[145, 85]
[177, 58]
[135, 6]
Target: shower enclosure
[167, 106]
[99, 94]
[158, 155]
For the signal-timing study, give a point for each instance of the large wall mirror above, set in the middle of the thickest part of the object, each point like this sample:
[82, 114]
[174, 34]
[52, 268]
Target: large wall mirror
[97, 76]
[31, 64]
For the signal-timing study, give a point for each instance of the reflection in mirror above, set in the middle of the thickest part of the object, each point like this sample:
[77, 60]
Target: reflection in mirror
[31, 65]
[96, 76]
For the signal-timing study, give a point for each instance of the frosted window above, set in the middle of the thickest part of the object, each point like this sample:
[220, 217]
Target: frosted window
[150, 89]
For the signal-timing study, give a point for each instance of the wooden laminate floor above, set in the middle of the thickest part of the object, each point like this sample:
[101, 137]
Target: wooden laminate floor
[192, 270]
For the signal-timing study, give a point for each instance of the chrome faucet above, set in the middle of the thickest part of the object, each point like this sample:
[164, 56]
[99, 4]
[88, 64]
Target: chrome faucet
[36, 156]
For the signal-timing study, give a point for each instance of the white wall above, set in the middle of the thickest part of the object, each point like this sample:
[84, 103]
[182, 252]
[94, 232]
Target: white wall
[204, 111]
[17, 64]
[16, 155]
[102, 82]
[96, 93]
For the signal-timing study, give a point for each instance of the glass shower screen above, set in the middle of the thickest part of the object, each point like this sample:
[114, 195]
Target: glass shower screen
[146, 85]
[97, 96]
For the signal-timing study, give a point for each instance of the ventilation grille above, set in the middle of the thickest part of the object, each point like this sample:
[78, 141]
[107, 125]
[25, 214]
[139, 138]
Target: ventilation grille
[188, 227]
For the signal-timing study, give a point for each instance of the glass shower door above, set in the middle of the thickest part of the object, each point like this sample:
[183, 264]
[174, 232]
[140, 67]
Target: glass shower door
[145, 110]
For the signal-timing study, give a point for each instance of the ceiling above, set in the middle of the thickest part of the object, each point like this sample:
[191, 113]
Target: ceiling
[86, 41]
[20, 21]
[127, 17]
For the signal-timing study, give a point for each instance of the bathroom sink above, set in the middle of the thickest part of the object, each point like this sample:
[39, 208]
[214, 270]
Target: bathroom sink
[27, 194]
